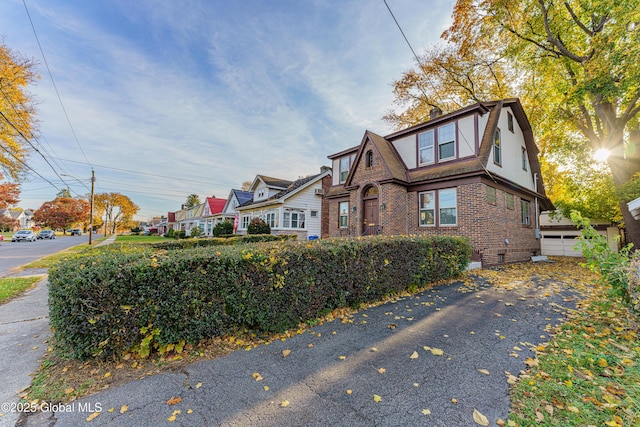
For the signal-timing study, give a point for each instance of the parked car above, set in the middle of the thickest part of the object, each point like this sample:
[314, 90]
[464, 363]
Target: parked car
[24, 235]
[75, 232]
[47, 234]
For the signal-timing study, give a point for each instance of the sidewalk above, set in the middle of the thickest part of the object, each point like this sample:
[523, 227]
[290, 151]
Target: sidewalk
[24, 331]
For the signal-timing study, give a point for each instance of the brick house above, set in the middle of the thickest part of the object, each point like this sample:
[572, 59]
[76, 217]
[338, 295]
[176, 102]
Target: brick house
[473, 172]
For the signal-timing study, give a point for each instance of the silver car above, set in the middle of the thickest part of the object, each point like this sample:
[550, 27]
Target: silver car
[24, 235]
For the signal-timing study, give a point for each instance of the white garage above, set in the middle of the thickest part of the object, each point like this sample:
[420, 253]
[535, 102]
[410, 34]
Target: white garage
[558, 235]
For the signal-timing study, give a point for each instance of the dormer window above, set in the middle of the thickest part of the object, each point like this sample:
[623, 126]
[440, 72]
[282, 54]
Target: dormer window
[447, 142]
[261, 193]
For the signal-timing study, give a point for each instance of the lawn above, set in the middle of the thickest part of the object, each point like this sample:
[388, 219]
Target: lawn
[140, 239]
[9, 287]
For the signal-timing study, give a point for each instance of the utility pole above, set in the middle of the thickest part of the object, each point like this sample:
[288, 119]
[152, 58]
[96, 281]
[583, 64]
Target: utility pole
[93, 180]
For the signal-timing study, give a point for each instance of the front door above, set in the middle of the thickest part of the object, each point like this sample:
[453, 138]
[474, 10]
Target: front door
[370, 218]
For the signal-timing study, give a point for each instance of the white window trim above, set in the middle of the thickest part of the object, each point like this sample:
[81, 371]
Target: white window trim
[433, 208]
[454, 141]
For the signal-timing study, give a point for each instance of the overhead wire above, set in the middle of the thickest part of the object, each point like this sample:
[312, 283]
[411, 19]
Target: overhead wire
[55, 87]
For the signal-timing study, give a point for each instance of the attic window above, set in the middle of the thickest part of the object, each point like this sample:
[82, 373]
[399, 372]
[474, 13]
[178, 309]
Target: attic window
[369, 159]
[497, 148]
[510, 121]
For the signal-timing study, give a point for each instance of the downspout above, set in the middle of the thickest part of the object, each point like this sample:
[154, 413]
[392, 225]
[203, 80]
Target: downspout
[535, 185]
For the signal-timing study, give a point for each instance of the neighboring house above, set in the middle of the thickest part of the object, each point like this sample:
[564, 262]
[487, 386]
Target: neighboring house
[559, 234]
[212, 208]
[230, 211]
[22, 218]
[473, 172]
[289, 207]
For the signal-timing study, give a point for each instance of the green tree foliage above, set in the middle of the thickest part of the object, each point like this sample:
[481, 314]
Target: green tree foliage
[192, 201]
[575, 65]
[62, 212]
[17, 113]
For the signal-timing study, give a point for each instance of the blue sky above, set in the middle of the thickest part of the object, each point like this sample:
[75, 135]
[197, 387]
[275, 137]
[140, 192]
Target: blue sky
[169, 98]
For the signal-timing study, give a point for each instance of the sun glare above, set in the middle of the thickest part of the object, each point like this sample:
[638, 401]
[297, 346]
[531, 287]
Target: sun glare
[601, 154]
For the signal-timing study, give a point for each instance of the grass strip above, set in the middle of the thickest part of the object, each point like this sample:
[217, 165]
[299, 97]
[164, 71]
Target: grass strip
[12, 286]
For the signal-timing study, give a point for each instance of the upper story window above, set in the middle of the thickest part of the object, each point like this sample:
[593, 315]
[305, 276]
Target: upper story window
[369, 159]
[425, 147]
[510, 121]
[261, 193]
[524, 159]
[497, 148]
[345, 163]
[447, 141]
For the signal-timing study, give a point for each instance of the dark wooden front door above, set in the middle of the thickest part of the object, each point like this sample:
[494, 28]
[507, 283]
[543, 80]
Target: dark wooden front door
[370, 217]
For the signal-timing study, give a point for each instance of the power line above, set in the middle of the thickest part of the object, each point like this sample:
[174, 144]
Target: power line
[55, 87]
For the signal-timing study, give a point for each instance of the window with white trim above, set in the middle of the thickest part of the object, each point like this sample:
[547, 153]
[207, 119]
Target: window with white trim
[447, 141]
[271, 219]
[525, 207]
[448, 206]
[293, 219]
[427, 208]
[244, 221]
[425, 147]
[497, 148]
[344, 169]
[524, 159]
[343, 214]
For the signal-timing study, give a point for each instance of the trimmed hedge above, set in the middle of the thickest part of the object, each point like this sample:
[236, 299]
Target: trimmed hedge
[106, 302]
[222, 240]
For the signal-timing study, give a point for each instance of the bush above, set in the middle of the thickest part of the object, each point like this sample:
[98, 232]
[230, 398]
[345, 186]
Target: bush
[131, 298]
[223, 228]
[258, 226]
[612, 265]
[196, 232]
[169, 233]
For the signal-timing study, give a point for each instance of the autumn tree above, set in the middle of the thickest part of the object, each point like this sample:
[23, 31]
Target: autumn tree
[9, 194]
[62, 212]
[17, 122]
[575, 65]
[192, 201]
[116, 209]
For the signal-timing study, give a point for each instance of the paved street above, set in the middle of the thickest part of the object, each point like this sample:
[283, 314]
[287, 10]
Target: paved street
[388, 353]
[15, 254]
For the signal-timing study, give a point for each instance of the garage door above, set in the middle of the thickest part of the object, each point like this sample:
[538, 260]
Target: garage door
[559, 245]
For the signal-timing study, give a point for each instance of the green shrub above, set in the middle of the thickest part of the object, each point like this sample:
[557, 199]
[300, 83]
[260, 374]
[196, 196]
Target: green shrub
[169, 233]
[611, 264]
[223, 228]
[196, 232]
[125, 298]
[258, 226]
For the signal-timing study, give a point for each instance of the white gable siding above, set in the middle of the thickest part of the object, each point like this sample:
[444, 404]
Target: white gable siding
[466, 137]
[308, 201]
[407, 148]
[512, 144]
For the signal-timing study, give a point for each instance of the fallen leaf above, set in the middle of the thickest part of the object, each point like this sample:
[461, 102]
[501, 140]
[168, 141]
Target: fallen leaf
[539, 416]
[189, 411]
[198, 385]
[285, 353]
[414, 355]
[342, 357]
[111, 409]
[479, 418]
[69, 390]
[266, 388]
[284, 403]
[434, 351]
[377, 398]
[484, 371]
[573, 409]
[603, 362]
[174, 400]
[426, 412]
[382, 370]
[374, 349]
[454, 401]
[392, 326]
[123, 409]
[256, 376]
[172, 418]
[92, 416]
[107, 375]
[349, 391]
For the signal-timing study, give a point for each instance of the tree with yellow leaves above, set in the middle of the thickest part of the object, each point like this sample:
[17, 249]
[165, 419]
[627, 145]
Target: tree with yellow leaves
[17, 113]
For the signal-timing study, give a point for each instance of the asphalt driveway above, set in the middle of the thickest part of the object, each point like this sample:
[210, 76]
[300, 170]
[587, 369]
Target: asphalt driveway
[429, 359]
